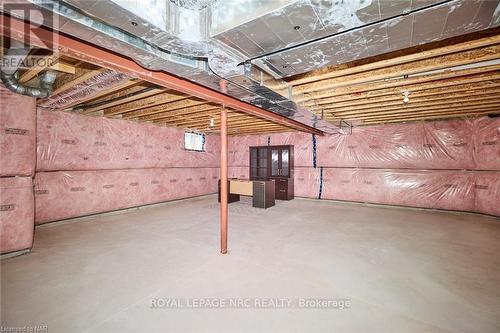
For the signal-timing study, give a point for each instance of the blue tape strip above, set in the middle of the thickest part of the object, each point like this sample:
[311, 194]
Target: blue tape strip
[320, 182]
[314, 150]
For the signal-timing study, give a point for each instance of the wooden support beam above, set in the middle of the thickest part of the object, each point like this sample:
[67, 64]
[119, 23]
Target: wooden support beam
[334, 71]
[63, 67]
[422, 66]
[42, 65]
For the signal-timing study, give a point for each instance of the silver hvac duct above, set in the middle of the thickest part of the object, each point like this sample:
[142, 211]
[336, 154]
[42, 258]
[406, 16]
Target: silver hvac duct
[10, 75]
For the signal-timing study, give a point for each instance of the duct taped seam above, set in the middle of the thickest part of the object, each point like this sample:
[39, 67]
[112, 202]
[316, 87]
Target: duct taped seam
[16, 214]
[90, 87]
[17, 134]
[69, 141]
[62, 195]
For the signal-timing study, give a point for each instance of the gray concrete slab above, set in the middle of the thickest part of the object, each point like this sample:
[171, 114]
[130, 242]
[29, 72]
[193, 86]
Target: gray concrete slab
[403, 270]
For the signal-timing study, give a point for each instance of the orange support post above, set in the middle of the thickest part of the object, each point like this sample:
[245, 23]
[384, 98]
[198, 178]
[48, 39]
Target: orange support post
[223, 181]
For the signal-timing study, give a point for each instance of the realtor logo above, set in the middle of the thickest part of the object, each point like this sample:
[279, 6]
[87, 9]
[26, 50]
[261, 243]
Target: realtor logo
[33, 36]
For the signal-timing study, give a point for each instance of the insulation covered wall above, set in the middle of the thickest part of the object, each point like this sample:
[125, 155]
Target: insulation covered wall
[442, 164]
[17, 134]
[65, 194]
[89, 165]
[487, 143]
[453, 144]
[74, 142]
[16, 214]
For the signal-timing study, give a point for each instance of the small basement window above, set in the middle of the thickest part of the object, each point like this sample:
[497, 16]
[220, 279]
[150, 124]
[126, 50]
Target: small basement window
[194, 141]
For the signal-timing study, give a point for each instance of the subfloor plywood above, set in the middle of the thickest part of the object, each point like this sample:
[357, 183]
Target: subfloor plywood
[403, 270]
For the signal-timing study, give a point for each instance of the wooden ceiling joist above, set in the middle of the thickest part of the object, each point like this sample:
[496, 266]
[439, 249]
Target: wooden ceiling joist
[205, 116]
[165, 116]
[145, 103]
[423, 66]
[104, 92]
[135, 94]
[397, 95]
[180, 103]
[397, 110]
[403, 83]
[416, 102]
[334, 71]
[450, 83]
[68, 81]
[482, 108]
[232, 117]
[437, 117]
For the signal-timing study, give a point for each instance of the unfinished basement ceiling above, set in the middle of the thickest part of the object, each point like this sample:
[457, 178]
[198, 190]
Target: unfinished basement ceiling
[307, 35]
[95, 91]
[253, 50]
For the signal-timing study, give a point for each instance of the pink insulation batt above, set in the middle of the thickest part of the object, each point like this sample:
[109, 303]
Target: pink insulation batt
[487, 188]
[306, 182]
[75, 142]
[17, 134]
[418, 145]
[452, 190]
[16, 214]
[66, 194]
[487, 143]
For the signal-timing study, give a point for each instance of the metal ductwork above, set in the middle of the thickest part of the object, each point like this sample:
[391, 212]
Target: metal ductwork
[45, 90]
[10, 76]
[206, 62]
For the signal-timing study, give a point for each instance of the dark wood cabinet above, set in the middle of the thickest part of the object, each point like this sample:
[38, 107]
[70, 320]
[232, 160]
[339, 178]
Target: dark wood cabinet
[259, 163]
[274, 162]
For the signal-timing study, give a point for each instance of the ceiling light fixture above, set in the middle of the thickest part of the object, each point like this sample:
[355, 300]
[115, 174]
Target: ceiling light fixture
[406, 97]
[212, 122]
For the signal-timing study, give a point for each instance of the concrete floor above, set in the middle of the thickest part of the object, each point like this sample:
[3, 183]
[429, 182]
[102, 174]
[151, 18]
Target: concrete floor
[403, 270]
